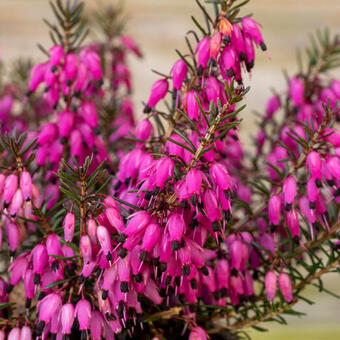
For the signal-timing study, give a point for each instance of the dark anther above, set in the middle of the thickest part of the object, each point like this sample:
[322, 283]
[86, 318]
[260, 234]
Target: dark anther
[168, 280]
[263, 46]
[12, 253]
[182, 298]
[147, 109]
[174, 94]
[109, 256]
[216, 295]
[163, 267]
[205, 271]
[143, 255]
[200, 71]
[148, 195]
[193, 224]
[175, 245]
[83, 335]
[337, 192]
[122, 252]
[230, 73]
[120, 310]
[40, 327]
[296, 240]
[9, 288]
[242, 56]
[41, 296]
[81, 279]
[193, 283]
[63, 140]
[288, 206]
[6, 205]
[138, 278]
[215, 226]
[318, 183]
[28, 303]
[105, 294]
[312, 205]
[117, 185]
[186, 270]
[177, 281]
[234, 272]
[36, 279]
[124, 287]
[121, 238]
[97, 130]
[127, 181]
[226, 40]
[223, 292]
[65, 337]
[53, 68]
[162, 292]
[155, 191]
[330, 182]
[194, 200]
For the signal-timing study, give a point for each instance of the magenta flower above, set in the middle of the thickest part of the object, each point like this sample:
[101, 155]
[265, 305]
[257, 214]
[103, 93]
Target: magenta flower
[270, 285]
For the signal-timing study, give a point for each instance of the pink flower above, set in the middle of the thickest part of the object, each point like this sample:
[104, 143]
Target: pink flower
[158, 91]
[270, 285]
[285, 286]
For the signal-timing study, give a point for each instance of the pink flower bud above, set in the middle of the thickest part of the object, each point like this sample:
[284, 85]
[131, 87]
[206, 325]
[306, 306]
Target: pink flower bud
[314, 164]
[192, 107]
[220, 175]
[40, 258]
[164, 171]
[270, 283]
[289, 190]
[333, 165]
[96, 325]
[143, 129]
[222, 273]
[16, 204]
[67, 318]
[131, 45]
[92, 61]
[236, 249]
[296, 91]
[26, 333]
[37, 75]
[178, 72]
[14, 334]
[212, 89]
[237, 41]
[274, 210]
[193, 182]
[10, 187]
[229, 62]
[332, 136]
[312, 190]
[203, 51]
[83, 312]
[176, 227]
[53, 245]
[13, 237]
[68, 225]
[49, 306]
[198, 333]
[293, 222]
[151, 237]
[17, 268]
[251, 27]
[66, 121]
[89, 113]
[71, 66]
[215, 45]
[29, 284]
[211, 206]
[285, 286]
[158, 91]
[273, 104]
[2, 335]
[56, 55]
[137, 223]
[250, 52]
[26, 185]
[104, 240]
[85, 248]
[48, 133]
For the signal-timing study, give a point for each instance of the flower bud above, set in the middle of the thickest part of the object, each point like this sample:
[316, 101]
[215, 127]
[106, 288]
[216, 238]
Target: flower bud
[67, 318]
[26, 185]
[270, 283]
[14, 334]
[179, 71]
[158, 91]
[68, 225]
[10, 188]
[289, 190]
[274, 210]
[83, 312]
[104, 240]
[215, 45]
[175, 227]
[151, 236]
[285, 286]
[26, 333]
[314, 164]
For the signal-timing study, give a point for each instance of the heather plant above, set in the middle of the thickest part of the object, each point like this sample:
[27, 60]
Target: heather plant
[167, 227]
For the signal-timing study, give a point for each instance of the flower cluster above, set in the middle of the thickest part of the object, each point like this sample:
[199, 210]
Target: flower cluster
[185, 225]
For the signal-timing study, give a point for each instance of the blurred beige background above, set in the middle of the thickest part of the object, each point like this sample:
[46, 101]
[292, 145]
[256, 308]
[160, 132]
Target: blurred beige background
[159, 27]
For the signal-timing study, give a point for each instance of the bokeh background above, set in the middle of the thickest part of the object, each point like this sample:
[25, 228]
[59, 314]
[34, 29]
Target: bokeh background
[159, 27]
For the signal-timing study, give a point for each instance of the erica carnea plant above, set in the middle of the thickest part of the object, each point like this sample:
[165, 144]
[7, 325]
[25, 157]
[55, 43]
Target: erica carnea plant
[164, 228]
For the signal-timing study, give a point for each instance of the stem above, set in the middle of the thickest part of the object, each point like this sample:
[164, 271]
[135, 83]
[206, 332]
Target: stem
[83, 209]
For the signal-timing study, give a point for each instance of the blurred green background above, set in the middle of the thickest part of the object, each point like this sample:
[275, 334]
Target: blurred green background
[159, 27]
